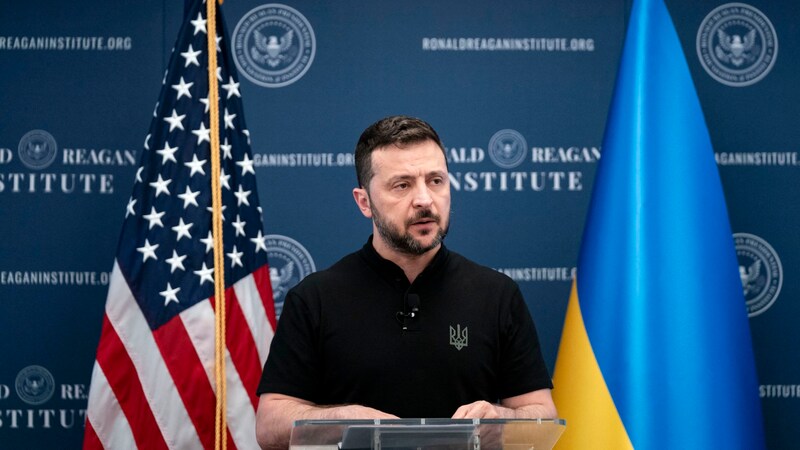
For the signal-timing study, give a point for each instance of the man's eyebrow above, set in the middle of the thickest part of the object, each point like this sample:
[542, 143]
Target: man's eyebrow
[408, 176]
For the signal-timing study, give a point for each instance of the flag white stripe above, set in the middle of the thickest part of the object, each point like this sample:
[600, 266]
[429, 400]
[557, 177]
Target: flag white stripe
[168, 409]
[105, 414]
[199, 323]
[254, 313]
[239, 410]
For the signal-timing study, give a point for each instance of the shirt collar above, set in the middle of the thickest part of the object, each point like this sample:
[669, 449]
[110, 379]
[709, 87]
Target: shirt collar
[392, 272]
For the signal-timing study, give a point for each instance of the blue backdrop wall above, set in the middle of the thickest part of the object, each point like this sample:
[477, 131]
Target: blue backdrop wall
[518, 90]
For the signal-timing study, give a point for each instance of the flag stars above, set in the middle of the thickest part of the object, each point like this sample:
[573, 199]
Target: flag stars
[175, 120]
[229, 120]
[236, 257]
[209, 241]
[224, 207]
[147, 142]
[232, 88]
[183, 89]
[241, 196]
[196, 166]
[154, 218]
[160, 186]
[205, 102]
[170, 294]
[239, 225]
[224, 180]
[167, 153]
[205, 273]
[202, 133]
[189, 197]
[176, 262]
[246, 164]
[148, 251]
[139, 174]
[182, 229]
[191, 56]
[260, 242]
[199, 24]
[129, 209]
[226, 149]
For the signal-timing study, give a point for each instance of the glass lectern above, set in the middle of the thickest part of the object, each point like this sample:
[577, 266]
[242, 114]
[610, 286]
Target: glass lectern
[428, 434]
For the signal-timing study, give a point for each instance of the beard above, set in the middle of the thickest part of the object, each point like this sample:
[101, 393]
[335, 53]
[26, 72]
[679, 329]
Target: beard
[405, 242]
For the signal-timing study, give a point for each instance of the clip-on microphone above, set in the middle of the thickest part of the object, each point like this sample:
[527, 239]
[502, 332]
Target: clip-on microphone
[412, 303]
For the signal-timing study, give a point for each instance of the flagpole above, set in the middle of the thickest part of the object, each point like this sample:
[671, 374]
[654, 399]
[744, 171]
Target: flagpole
[220, 426]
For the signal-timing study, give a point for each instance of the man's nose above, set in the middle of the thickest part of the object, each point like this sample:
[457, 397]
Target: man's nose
[422, 196]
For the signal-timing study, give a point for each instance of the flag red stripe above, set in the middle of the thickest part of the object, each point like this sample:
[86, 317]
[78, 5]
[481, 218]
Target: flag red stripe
[90, 439]
[189, 376]
[123, 379]
[231, 444]
[242, 347]
[264, 284]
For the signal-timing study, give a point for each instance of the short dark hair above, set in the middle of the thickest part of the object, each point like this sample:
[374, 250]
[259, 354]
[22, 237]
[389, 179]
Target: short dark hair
[392, 130]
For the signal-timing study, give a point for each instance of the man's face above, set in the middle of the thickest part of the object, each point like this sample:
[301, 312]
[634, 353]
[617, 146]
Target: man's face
[408, 197]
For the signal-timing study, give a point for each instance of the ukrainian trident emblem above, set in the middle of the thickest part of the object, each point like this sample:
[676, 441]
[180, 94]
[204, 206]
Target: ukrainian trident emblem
[458, 337]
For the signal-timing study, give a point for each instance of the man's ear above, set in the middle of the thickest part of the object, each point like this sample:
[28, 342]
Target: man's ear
[361, 197]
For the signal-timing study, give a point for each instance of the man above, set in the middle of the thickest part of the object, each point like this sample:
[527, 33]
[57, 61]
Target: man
[403, 327]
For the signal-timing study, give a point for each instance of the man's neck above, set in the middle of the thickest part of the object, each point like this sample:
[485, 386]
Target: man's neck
[412, 265]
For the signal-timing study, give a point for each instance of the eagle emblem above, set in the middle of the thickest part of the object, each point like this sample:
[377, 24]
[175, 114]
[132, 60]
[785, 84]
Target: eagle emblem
[37, 150]
[280, 279]
[509, 149]
[270, 49]
[735, 49]
[749, 276]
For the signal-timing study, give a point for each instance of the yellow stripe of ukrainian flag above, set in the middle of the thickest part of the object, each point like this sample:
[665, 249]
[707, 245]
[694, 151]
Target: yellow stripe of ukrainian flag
[581, 394]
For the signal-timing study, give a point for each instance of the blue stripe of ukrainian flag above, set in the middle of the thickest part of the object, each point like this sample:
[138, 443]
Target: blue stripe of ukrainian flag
[656, 350]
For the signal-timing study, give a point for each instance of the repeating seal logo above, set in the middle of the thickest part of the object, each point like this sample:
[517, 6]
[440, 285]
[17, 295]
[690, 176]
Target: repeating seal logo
[289, 262]
[273, 45]
[35, 385]
[760, 270]
[737, 44]
[507, 148]
[37, 149]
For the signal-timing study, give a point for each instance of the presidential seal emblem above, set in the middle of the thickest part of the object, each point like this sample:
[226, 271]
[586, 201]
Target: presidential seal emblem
[737, 44]
[289, 262]
[35, 385]
[507, 148]
[37, 149]
[273, 45]
[760, 270]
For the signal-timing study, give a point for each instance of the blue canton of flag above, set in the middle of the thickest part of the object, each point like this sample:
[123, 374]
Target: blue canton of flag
[168, 218]
[153, 381]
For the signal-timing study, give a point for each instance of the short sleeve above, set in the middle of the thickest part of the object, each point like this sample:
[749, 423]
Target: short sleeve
[293, 357]
[522, 367]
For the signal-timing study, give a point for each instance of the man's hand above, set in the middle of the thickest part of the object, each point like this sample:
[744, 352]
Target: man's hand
[532, 405]
[276, 414]
[479, 410]
[351, 412]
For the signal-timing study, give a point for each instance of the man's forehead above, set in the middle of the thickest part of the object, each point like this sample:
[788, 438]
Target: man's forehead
[426, 156]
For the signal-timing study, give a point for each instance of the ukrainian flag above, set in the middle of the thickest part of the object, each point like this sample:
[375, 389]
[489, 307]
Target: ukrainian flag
[656, 350]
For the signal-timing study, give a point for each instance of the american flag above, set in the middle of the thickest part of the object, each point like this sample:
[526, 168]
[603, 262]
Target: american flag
[153, 380]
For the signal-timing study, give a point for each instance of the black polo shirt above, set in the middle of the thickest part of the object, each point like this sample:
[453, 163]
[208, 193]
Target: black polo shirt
[341, 340]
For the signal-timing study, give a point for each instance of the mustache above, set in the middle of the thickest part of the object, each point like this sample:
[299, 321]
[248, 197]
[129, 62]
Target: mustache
[423, 214]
